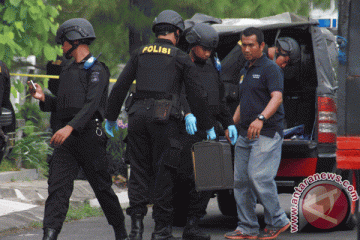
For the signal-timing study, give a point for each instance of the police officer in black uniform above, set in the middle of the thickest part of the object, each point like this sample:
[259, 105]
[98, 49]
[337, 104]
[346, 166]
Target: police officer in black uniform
[54, 68]
[7, 123]
[203, 40]
[80, 140]
[153, 149]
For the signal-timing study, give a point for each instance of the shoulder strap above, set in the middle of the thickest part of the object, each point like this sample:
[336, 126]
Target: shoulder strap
[89, 72]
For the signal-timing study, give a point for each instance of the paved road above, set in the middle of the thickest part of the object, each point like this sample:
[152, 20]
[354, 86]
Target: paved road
[214, 223]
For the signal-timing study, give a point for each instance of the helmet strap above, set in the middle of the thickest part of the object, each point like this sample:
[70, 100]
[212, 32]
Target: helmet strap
[276, 38]
[177, 36]
[195, 58]
[68, 53]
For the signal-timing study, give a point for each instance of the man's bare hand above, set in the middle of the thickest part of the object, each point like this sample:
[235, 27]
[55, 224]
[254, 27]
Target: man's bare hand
[254, 129]
[61, 135]
[38, 93]
[227, 135]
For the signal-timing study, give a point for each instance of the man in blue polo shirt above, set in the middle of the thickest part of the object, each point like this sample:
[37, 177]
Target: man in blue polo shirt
[258, 148]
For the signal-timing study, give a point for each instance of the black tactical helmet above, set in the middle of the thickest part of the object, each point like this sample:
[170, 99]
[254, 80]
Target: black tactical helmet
[75, 29]
[204, 35]
[169, 17]
[291, 46]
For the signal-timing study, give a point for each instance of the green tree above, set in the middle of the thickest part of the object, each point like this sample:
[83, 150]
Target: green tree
[25, 29]
[139, 17]
[122, 26]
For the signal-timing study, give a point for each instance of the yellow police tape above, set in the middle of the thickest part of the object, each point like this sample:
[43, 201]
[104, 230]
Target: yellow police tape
[45, 76]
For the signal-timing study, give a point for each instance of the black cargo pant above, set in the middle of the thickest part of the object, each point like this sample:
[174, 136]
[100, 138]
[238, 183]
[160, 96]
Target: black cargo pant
[88, 150]
[189, 201]
[153, 152]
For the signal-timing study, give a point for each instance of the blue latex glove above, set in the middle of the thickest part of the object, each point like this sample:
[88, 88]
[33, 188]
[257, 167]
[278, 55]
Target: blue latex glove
[232, 134]
[190, 122]
[109, 127]
[211, 135]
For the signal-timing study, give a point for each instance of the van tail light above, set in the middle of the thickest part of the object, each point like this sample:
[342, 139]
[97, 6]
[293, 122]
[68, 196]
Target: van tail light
[327, 122]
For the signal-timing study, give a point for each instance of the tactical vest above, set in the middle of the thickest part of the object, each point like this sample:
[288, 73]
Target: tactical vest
[72, 90]
[157, 69]
[210, 81]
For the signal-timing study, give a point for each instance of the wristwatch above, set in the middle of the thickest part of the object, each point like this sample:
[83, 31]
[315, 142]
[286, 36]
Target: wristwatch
[261, 117]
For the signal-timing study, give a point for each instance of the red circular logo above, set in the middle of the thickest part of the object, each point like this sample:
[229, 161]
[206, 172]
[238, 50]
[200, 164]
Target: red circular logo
[325, 206]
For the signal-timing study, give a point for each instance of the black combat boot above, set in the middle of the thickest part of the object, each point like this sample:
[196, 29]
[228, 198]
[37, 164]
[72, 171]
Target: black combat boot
[137, 227]
[192, 230]
[163, 231]
[50, 234]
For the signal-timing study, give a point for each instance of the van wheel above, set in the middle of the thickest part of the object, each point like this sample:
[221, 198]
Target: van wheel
[349, 175]
[226, 202]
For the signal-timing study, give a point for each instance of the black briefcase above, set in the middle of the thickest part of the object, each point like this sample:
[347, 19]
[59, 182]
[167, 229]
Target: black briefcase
[213, 165]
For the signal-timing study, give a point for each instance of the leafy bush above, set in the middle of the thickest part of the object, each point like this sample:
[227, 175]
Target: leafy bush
[33, 116]
[116, 150]
[8, 165]
[33, 150]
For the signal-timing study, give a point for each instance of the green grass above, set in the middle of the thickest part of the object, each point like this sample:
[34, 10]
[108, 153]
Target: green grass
[7, 165]
[82, 211]
[36, 225]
